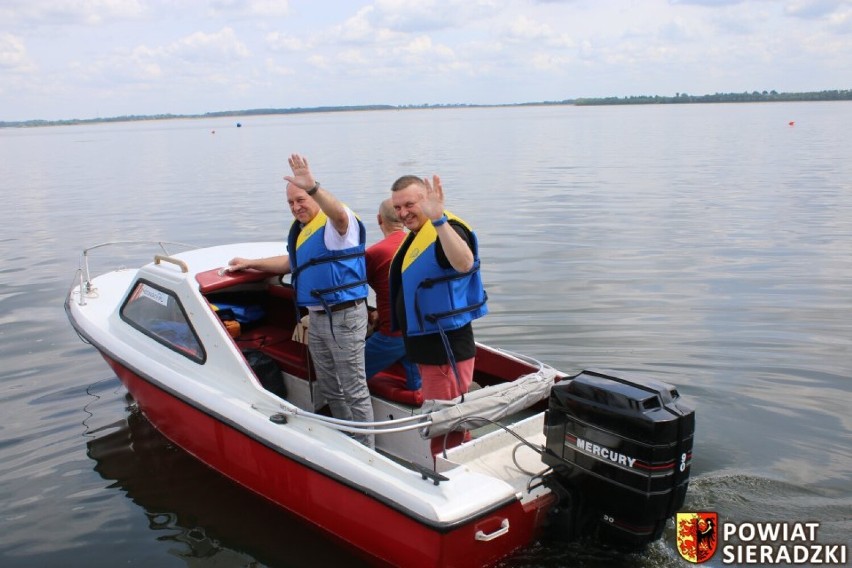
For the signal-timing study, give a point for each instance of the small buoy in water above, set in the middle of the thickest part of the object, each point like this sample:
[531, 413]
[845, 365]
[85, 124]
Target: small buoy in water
[239, 125]
[792, 123]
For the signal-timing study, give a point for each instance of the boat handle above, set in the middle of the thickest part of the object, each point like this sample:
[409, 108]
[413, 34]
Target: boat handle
[504, 528]
[175, 261]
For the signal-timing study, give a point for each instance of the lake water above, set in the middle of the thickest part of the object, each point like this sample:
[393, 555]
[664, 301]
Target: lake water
[709, 246]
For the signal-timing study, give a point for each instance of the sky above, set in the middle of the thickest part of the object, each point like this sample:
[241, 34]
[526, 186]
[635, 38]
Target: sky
[80, 59]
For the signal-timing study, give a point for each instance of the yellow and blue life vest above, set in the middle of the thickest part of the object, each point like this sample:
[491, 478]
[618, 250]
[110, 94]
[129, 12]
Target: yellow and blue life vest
[436, 298]
[321, 276]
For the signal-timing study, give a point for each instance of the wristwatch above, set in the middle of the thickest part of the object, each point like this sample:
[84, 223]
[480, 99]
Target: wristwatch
[314, 189]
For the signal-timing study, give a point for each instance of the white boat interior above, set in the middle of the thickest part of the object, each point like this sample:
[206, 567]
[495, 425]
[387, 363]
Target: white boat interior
[161, 322]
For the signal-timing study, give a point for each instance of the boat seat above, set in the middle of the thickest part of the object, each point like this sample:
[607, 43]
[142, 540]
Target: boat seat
[392, 387]
[292, 357]
[281, 291]
[215, 280]
[257, 336]
[490, 370]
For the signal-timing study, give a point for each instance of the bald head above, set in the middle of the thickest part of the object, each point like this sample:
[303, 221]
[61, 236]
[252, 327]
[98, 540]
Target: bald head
[387, 212]
[387, 218]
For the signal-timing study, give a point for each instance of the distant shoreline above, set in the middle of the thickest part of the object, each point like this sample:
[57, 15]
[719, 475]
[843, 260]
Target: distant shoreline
[679, 98]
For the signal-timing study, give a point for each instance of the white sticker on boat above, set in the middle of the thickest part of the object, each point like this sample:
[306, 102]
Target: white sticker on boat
[155, 295]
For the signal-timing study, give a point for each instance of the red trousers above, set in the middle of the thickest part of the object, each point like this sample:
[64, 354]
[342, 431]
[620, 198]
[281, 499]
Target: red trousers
[438, 382]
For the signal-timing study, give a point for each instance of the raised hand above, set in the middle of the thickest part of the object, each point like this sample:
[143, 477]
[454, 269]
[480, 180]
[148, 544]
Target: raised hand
[433, 203]
[302, 176]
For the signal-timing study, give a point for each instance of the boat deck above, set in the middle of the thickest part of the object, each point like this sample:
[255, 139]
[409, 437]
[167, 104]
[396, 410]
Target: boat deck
[494, 454]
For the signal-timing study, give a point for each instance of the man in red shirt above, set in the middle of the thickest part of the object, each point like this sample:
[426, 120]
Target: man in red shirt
[385, 347]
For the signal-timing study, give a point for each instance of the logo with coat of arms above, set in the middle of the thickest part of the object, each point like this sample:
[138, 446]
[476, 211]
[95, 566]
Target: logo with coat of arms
[697, 536]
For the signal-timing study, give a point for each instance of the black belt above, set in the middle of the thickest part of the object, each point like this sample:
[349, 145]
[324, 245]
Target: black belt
[342, 306]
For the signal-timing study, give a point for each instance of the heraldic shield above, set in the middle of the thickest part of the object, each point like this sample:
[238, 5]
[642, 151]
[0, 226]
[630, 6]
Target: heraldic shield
[696, 536]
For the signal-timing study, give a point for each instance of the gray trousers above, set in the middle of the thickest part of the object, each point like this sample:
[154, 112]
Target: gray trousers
[339, 364]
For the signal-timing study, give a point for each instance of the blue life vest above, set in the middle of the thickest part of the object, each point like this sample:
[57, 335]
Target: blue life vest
[321, 276]
[436, 298]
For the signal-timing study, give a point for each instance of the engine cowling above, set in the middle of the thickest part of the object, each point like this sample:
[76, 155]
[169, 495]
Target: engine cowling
[620, 448]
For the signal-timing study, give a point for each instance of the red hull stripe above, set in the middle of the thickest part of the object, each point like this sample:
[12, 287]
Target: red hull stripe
[352, 514]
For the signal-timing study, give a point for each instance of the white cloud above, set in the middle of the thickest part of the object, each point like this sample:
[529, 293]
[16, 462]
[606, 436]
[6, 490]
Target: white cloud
[422, 46]
[361, 28]
[320, 61]
[549, 62]
[815, 9]
[13, 55]
[430, 15]
[190, 62]
[248, 8]
[273, 67]
[278, 41]
[353, 57]
[65, 13]
[151, 56]
[524, 29]
[219, 46]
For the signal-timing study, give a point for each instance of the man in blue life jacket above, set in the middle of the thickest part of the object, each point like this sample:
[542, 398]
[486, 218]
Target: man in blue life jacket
[436, 288]
[326, 261]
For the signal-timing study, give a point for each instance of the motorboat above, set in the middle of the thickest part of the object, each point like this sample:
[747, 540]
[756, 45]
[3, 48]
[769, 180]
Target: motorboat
[530, 450]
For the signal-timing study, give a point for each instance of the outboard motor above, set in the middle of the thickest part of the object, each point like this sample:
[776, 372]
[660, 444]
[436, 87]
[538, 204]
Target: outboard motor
[620, 449]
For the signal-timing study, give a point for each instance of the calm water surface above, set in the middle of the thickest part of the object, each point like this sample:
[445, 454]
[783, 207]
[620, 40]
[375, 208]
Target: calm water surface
[706, 245]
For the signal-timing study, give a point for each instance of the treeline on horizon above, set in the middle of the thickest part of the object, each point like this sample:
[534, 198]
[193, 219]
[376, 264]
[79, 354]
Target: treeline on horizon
[753, 97]
[679, 98]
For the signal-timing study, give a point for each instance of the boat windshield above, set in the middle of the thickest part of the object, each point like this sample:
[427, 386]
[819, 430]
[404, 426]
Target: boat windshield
[158, 313]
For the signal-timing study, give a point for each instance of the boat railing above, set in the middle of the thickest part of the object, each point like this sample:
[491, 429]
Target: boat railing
[532, 361]
[396, 425]
[441, 416]
[84, 273]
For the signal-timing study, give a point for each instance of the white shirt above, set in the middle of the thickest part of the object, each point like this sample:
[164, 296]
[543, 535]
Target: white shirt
[336, 241]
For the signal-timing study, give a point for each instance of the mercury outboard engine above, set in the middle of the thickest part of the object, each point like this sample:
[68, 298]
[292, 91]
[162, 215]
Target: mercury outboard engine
[620, 449]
